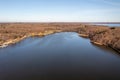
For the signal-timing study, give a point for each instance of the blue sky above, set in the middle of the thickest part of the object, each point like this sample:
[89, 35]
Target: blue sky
[59, 10]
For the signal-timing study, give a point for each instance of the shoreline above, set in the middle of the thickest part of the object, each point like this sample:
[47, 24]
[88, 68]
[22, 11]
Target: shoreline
[9, 42]
[15, 32]
[41, 34]
[97, 43]
[83, 35]
[114, 49]
[100, 44]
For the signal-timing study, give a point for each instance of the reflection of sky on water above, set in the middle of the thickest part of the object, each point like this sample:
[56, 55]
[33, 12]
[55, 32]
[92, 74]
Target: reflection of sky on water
[58, 55]
[110, 25]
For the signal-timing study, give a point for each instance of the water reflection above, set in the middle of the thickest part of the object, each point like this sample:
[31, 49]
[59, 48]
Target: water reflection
[106, 49]
[61, 56]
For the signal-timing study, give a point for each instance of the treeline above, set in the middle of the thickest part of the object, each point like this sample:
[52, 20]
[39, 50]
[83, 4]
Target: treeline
[15, 30]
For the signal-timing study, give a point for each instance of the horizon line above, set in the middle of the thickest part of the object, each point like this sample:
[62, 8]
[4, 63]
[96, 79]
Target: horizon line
[66, 22]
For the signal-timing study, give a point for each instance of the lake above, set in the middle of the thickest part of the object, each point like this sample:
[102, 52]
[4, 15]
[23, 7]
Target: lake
[60, 56]
[110, 25]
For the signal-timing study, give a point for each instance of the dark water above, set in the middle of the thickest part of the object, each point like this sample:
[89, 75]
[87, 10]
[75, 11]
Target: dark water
[110, 25]
[61, 56]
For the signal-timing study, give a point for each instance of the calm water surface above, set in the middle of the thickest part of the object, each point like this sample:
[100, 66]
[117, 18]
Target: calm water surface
[110, 25]
[60, 56]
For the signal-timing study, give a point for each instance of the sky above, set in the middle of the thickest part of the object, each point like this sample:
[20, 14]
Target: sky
[59, 10]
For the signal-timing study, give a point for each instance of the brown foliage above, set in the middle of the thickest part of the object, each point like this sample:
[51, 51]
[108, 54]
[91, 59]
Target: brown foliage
[101, 34]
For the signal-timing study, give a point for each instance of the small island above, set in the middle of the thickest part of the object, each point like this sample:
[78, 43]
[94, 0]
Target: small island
[11, 33]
